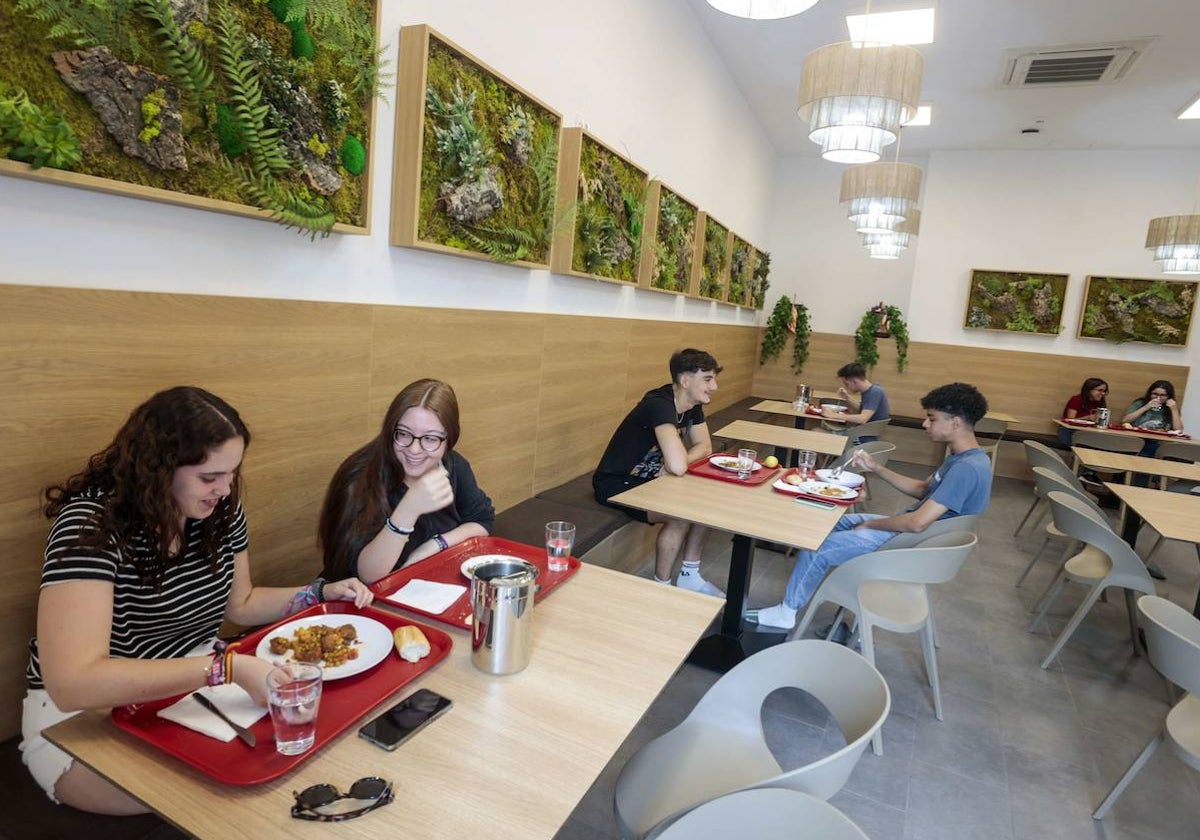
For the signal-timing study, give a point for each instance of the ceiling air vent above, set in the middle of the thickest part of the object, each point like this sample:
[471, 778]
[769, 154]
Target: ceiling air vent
[1081, 64]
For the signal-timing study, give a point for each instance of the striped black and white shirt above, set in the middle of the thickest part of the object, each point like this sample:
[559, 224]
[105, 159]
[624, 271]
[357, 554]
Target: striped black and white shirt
[147, 623]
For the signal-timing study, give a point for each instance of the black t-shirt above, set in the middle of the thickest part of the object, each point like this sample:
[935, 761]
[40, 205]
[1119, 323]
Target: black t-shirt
[633, 450]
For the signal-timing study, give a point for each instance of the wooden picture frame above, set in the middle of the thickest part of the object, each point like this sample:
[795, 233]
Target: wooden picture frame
[1131, 309]
[1016, 301]
[494, 198]
[711, 271]
[741, 270]
[672, 241]
[600, 220]
[179, 130]
[760, 265]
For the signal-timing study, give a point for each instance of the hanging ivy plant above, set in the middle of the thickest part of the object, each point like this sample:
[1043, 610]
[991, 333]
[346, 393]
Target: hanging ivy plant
[876, 320]
[803, 331]
[775, 336]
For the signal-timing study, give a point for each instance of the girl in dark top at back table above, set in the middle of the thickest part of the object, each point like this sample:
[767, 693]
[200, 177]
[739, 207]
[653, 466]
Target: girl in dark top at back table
[407, 494]
[1093, 395]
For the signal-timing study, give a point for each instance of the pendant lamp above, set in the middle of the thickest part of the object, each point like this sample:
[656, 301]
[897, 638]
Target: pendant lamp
[762, 9]
[1175, 241]
[879, 196]
[888, 245]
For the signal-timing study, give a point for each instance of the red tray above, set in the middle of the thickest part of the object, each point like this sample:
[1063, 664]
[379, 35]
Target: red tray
[445, 567]
[800, 495]
[1154, 432]
[343, 703]
[707, 470]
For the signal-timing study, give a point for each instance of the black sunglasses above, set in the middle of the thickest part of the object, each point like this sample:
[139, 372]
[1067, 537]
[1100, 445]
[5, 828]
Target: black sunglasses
[371, 788]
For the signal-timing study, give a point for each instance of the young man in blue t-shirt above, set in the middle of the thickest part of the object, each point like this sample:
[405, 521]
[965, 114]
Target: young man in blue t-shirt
[872, 399]
[961, 485]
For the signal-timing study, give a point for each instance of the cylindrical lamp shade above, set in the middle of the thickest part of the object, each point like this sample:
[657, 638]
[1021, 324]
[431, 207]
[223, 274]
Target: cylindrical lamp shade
[879, 196]
[855, 97]
[887, 245]
[762, 9]
[1175, 241]
[884, 252]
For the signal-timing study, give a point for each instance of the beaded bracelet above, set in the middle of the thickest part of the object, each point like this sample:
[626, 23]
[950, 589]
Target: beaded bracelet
[441, 542]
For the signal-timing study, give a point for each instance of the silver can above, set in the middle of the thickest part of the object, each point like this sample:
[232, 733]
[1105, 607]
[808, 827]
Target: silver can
[1102, 415]
[502, 595]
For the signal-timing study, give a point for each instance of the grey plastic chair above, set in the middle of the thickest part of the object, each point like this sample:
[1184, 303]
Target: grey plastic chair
[1188, 453]
[872, 428]
[968, 523]
[1046, 482]
[764, 813]
[1113, 564]
[1107, 442]
[1040, 455]
[887, 589]
[1173, 644]
[720, 747]
[989, 433]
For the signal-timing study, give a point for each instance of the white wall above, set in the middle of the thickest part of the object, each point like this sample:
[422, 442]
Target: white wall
[640, 75]
[1078, 213]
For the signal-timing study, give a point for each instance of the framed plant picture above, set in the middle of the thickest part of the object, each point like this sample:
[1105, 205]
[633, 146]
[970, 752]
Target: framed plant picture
[476, 160]
[1124, 309]
[1016, 301]
[714, 263]
[240, 106]
[672, 240]
[741, 267]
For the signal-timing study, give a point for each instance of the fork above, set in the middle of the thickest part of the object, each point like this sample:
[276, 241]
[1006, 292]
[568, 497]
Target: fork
[837, 471]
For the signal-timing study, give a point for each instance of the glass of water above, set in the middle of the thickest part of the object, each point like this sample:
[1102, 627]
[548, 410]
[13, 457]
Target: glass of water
[560, 539]
[294, 695]
[746, 460]
[808, 463]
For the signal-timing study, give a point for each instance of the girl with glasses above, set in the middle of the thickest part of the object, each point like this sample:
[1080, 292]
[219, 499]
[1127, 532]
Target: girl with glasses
[407, 494]
[1156, 410]
[1093, 395]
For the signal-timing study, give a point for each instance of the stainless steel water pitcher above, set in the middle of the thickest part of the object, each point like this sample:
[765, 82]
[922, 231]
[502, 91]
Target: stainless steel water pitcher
[502, 615]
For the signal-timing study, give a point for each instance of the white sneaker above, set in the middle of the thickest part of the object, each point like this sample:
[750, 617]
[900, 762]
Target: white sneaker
[778, 617]
[693, 582]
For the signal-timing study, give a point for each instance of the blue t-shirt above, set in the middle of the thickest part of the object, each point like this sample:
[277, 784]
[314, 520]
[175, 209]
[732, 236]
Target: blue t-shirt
[875, 399]
[962, 484]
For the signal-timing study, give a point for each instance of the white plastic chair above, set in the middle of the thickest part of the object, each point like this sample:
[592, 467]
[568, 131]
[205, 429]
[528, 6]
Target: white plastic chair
[872, 428]
[1040, 455]
[1173, 644]
[1114, 564]
[764, 813]
[1046, 482]
[886, 589]
[992, 432]
[1175, 450]
[720, 748]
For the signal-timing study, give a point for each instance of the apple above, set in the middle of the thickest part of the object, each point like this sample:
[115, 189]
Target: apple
[770, 462]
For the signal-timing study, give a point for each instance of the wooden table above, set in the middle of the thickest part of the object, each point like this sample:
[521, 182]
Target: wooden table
[1174, 515]
[514, 755]
[1099, 459]
[749, 513]
[781, 436]
[1118, 431]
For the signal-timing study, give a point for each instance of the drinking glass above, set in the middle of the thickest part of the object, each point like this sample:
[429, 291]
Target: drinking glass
[808, 463]
[746, 460]
[294, 695]
[560, 538]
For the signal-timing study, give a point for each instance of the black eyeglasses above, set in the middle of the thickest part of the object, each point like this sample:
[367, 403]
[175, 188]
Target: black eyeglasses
[429, 443]
[370, 789]
[1159, 394]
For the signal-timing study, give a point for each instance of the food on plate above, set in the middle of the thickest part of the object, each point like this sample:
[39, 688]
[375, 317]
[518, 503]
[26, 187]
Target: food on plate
[411, 643]
[727, 463]
[1126, 425]
[833, 492]
[321, 644]
[770, 462]
[794, 478]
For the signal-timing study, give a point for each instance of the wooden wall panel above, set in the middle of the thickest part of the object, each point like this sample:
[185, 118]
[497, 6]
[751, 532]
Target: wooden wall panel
[651, 344]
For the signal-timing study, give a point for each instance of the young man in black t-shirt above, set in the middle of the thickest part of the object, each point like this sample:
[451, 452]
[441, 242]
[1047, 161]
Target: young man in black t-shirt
[663, 434]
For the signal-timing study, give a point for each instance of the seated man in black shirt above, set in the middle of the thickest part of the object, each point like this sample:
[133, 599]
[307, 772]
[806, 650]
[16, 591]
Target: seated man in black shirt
[663, 434]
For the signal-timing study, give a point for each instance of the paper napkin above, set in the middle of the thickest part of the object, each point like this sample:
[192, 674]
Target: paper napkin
[426, 595]
[230, 699]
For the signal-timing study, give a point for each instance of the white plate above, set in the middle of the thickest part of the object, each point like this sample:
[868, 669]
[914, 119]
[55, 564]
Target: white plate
[470, 563]
[832, 492]
[846, 479]
[730, 462]
[374, 642]
[1074, 422]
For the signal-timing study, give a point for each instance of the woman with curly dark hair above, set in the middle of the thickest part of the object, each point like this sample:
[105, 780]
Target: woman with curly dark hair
[407, 494]
[147, 555]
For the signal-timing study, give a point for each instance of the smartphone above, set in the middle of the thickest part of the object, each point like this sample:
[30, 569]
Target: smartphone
[814, 503]
[405, 719]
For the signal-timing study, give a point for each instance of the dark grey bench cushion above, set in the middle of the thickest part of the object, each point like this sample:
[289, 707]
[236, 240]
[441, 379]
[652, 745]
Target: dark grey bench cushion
[526, 522]
[577, 492]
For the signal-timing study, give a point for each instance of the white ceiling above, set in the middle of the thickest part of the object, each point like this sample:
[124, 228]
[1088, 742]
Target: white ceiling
[963, 68]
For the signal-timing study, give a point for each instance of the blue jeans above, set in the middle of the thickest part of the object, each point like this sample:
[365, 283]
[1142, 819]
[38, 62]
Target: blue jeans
[844, 543]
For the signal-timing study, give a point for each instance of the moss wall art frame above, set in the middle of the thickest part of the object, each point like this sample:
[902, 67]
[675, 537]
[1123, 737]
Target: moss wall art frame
[1016, 301]
[741, 270]
[238, 106]
[758, 280]
[1122, 309]
[669, 260]
[475, 171]
[713, 276]
[600, 226]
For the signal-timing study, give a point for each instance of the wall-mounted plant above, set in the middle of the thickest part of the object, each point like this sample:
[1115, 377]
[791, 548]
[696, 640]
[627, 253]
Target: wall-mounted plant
[476, 158]
[715, 263]
[1016, 301]
[1122, 309]
[740, 269]
[675, 242]
[33, 135]
[204, 104]
[881, 321]
[760, 283]
[787, 318]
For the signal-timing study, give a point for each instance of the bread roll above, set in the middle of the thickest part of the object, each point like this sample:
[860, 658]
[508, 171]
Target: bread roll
[411, 643]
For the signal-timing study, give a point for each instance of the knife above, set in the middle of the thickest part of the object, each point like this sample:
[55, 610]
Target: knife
[242, 732]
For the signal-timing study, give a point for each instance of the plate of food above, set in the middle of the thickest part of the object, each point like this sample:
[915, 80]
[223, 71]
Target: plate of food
[796, 485]
[471, 563]
[343, 645]
[846, 479]
[730, 462]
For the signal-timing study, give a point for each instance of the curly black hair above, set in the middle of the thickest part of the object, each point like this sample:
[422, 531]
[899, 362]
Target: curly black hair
[957, 399]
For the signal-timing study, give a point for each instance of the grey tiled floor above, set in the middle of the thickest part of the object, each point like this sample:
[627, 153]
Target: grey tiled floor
[1022, 753]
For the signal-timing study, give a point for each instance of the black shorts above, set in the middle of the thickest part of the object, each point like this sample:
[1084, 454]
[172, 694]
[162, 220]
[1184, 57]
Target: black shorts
[607, 486]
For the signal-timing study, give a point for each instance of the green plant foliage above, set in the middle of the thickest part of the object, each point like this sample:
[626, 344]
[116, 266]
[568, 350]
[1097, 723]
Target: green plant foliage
[34, 135]
[716, 259]
[865, 339]
[89, 23]
[611, 211]
[353, 155]
[1128, 309]
[286, 206]
[760, 283]
[317, 146]
[346, 29]
[333, 101]
[152, 105]
[302, 45]
[468, 114]
[1016, 302]
[229, 133]
[184, 61]
[803, 333]
[291, 13]
[776, 333]
[739, 271]
[675, 243]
